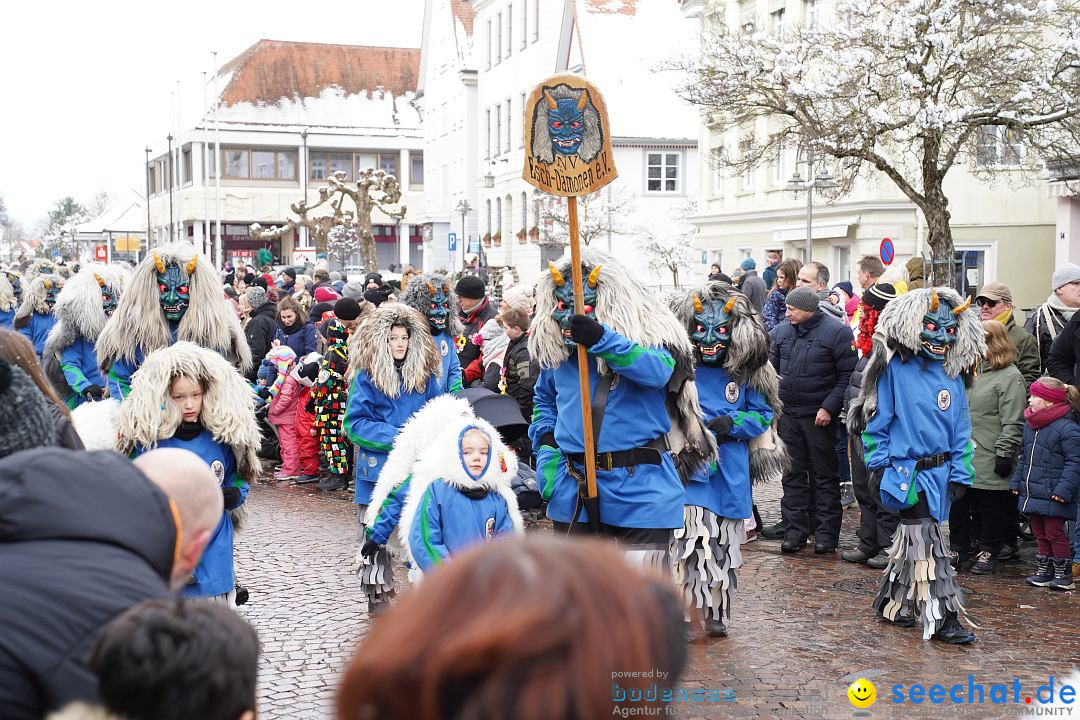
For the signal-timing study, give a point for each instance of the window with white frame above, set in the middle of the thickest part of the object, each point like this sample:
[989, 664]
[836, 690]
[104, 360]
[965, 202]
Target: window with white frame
[487, 225]
[490, 41]
[498, 129]
[779, 170]
[509, 125]
[811, 12]
[536, 20]
[998, 146]
[509, 29]
[776, 22]
[745, 253]
[747, 16]
[521, 135]
[841, 270]
[524, 23]
[498, 37]
[487, 133]
[663, 172]
[746, 178]
[525, 211]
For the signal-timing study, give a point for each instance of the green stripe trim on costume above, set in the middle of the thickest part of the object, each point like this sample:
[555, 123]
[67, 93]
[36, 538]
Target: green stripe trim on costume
[456, 387]
[425, 529]
[125, 388]
[550, 471]
[369, 444]
[390, 498]
[969, 451]
[869, 443]
[742, 416]
[623, 360]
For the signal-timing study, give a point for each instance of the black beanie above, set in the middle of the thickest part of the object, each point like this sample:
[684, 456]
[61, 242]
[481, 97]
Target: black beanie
[878, 295]
[320, 309]
[24, 413]
[471, 287]
[291, 272]
[346, 309]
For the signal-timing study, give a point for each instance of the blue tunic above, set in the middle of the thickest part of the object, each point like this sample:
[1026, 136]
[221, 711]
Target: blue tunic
[389, 513]
[214, 574]
[921, 411]
[449, 521]
[724, 487]
[79, 364]
[37, 330]
[451, 367]
[372, 421]
[649, 497]
[7, 319]
[119, 378]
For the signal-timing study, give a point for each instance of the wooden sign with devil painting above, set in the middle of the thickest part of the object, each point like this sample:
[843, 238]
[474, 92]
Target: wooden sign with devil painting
[567, 140]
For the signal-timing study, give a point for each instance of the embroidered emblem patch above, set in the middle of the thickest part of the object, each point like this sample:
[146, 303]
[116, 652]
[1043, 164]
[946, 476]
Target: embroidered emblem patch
[444, 347]
[944, 400]
[219, 470]
[731, 392]
[489, 528]
[372, 461]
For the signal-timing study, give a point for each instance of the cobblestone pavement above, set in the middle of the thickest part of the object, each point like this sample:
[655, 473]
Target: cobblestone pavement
[802, 629]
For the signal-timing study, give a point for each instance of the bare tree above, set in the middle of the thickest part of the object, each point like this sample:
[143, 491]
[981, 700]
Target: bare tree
[599, 214]
[670, 248]
[373, 190]
[904, 87]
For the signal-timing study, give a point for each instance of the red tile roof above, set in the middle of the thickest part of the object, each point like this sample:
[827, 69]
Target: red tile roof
[464, 12]
[612, 7]
[272, 69]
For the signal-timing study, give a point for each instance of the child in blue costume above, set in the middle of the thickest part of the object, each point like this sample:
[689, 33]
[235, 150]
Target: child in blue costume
[393, 370]
[35, 318]
[431, 295]
[460, 495]
[187, 397]
[918, 449]
[640, 355]
[10, 297]
[81, 311]
[374, 566]
[739, 394]
[174, 294]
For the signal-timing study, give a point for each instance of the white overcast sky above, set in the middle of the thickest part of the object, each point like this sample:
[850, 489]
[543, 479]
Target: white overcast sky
[87, 84]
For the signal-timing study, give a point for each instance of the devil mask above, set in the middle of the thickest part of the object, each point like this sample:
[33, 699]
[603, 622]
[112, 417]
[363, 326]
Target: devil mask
[52, 289]
[711, 332]
[438, 307]
[16, 285]
[174, 292]
[564, 299]
[939, 328]
[566, 123]
[108, 296]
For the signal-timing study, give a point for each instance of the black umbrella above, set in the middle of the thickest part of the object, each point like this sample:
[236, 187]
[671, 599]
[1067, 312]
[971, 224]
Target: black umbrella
[501, 411]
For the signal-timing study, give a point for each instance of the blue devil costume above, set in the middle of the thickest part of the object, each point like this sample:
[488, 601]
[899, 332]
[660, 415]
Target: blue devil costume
[650, 436]
[35, 318]
[11, 293]
[739, 393]
[173, 295]
[432, 296]
[82, 309]
[916, 434]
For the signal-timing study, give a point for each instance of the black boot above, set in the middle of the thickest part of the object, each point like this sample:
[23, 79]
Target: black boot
[1044, 572]
[985, 563]
[1063, 575]
[242, 594]
[715, 628]
[773, 532]
[952, 632]
[334, 482]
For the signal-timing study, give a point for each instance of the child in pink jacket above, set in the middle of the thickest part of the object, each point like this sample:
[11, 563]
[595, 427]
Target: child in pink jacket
[282, 413]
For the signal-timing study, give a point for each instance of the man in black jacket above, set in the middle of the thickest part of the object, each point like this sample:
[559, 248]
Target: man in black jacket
[260, 327]
[84, 537]
[814, 355]
[1062, 360]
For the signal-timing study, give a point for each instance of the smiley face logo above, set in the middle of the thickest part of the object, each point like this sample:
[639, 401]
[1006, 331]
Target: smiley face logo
[862, 693]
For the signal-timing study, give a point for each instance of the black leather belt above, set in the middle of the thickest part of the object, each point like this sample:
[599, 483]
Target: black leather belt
[650, 454]
[928, 463]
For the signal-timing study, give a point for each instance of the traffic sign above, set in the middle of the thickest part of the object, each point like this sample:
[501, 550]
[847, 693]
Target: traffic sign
[452, 237]
[474, 246]
[887, 251]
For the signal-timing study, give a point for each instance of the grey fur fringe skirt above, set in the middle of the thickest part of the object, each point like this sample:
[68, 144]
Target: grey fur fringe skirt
[704, 554]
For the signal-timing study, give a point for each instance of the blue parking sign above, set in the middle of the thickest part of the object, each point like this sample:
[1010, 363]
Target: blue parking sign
[453, 241]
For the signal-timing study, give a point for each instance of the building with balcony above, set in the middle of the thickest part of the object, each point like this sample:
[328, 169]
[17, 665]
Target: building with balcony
[285, 116]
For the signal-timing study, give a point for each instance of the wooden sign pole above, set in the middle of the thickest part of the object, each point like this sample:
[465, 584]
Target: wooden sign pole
[582, 353]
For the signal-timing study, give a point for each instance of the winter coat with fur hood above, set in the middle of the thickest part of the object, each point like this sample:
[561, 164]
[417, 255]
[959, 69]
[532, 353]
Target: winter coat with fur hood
[447, 509]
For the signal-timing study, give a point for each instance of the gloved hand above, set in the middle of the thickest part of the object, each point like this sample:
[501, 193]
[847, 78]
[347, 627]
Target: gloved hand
[377, 296]
[720, 426]
[585, 330]
[370, 548]
[1003, 466]
[264, 392]
[548, 439]
[956, 491]
[93, 392]
[231, 496]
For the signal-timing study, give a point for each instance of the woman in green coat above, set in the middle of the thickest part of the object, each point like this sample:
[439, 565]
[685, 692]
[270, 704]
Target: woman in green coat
[996, 403]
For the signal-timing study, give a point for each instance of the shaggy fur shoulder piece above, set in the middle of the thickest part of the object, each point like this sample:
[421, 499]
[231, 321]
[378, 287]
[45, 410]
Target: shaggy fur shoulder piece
[442, 461]
[96, 423]
[901, 323]
[411, 442]
[369, 350]
[630, 309]
[7, 293]
[416, 296]
[139, 323]
[746, 361]
[39, 267]
[33, 300]
[78, 309]
[148, 414]
[864, 405]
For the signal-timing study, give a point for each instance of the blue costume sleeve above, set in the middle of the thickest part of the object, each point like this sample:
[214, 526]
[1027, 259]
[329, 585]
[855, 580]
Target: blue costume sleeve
[545, 411]
[71, 364]
[754, 420]
[876, 436]
[648, 367]
[454, 384]
[425, 536]
[119, 380]
[361, 425]
[963, 451]
[389, 513]
[503, 524]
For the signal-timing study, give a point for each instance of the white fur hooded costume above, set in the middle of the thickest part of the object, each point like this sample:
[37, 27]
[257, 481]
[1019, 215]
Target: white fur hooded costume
[442, 461]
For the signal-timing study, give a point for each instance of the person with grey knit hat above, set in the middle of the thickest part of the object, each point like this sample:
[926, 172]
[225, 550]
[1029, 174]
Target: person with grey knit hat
[260, 327]
[1047, 321]
[25, 421]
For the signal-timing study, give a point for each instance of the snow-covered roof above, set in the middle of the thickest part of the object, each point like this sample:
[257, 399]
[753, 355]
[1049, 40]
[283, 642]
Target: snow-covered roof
[619, 45]
[278, 83]
[128, 214]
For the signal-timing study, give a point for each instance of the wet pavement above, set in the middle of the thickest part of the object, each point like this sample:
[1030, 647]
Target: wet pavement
[802, 629]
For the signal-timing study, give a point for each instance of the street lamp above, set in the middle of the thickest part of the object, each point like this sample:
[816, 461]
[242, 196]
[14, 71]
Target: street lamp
[172, 230]
[822, 181]
[463, 207]
[148, 226]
